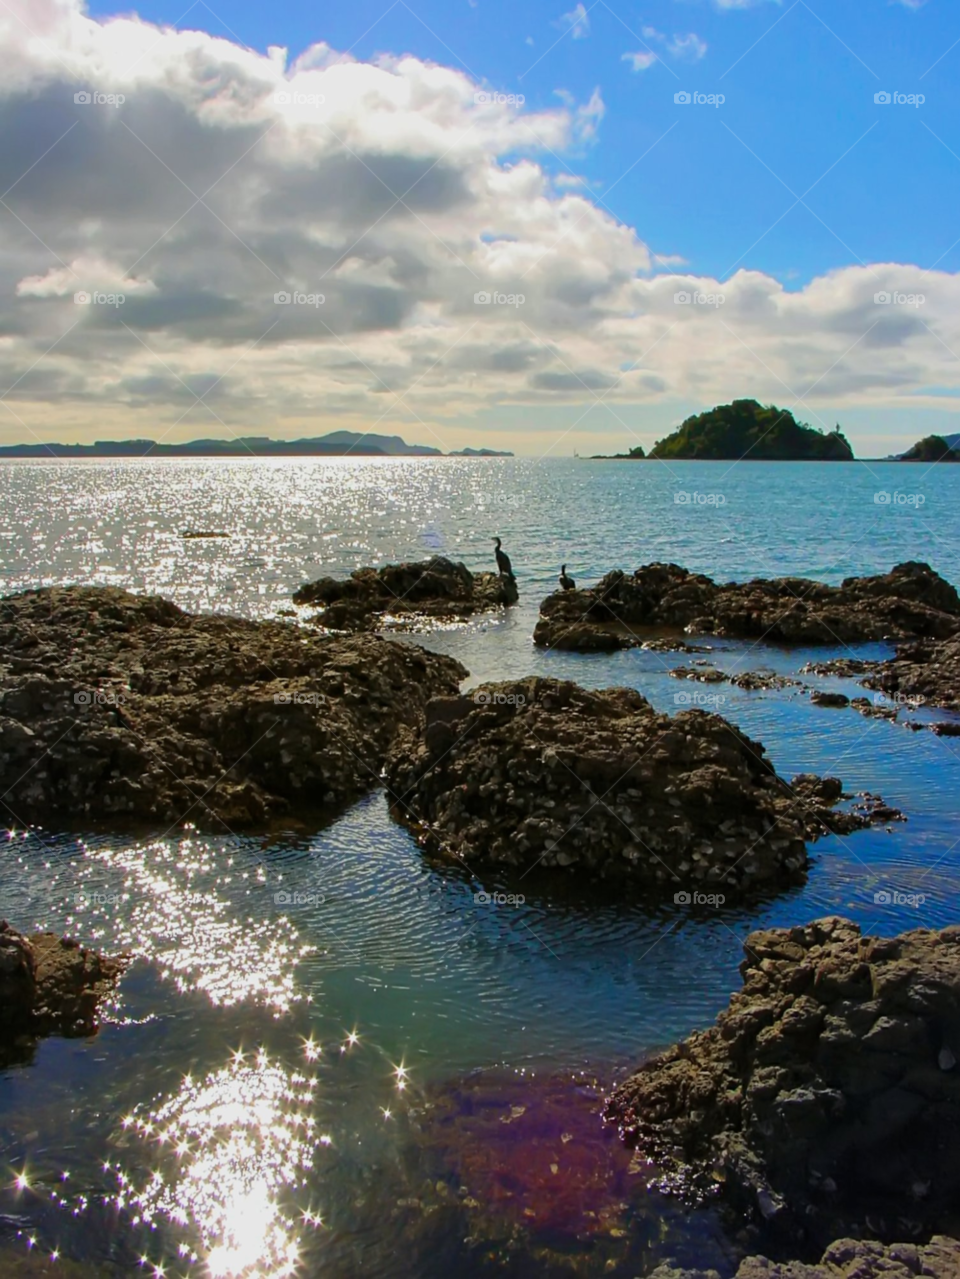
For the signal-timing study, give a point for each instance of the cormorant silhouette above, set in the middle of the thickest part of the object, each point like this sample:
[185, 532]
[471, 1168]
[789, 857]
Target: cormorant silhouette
[566, 582]
[503, 560]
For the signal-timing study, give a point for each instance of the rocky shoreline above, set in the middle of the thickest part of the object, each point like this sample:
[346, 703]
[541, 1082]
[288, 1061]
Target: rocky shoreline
[824, 1101]
[114, 705]
[49, 985]
[544, 772]
[405, 596]
[909, 602]
[848, 1259]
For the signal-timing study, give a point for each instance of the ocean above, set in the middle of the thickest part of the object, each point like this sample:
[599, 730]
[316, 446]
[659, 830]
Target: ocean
[325, 1075]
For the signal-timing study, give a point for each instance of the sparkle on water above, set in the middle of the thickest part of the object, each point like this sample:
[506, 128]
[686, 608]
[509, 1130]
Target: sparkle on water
[230, 1146]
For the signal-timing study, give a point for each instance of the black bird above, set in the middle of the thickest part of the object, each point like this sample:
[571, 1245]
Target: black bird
[566, 582]
[503, 561]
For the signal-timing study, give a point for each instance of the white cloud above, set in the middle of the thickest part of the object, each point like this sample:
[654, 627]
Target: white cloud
[640, 61]
[743, 4]
[688, 48]
[577, 22]
[391, 189]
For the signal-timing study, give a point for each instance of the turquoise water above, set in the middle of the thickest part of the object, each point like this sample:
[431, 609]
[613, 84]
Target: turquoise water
[323, 1040]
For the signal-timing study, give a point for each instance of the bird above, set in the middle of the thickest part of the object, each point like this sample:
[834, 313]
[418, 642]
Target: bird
[566, 582]
[503, 561]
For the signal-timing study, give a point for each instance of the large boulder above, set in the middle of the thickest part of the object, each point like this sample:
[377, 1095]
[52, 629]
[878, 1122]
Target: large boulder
[118, 705]
[403, 595]
[908, 602]
[544, 772]
[826, 1098]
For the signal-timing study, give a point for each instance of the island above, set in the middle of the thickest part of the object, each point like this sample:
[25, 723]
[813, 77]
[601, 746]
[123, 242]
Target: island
[635, 455]
[334, 444]
[746, 430]
[933, 448]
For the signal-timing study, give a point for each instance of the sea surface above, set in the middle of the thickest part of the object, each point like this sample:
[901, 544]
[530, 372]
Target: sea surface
[337, 1086]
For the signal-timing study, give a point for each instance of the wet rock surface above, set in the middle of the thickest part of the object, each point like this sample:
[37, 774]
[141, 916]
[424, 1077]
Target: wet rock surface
[824, 1099]
[115, 705]
[49, 985]
[848, 1259]
[909, 602]
[401, 595]
[544, 772]
[926, 672]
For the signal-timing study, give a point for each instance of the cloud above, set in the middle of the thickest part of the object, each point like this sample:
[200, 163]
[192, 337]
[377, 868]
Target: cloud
[910, 4]
[743, 4]
[685, 48]
[640, 61]
[688, 48]
[577, 22]
[379, 199]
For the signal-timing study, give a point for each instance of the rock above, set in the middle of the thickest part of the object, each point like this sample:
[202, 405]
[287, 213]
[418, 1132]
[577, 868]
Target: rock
[544, 772]
[50, 985]
[820, 1089]
[821, 698]
[923, 673]
[115, 705]
[401, 595]
[848, 1259]
[911, 601]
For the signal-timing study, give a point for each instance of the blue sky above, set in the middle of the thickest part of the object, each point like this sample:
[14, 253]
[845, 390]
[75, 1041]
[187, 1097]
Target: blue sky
[719, 189]
[471, 222]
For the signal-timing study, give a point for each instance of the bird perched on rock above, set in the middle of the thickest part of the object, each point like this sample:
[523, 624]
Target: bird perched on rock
[503, 560]
[566, 581]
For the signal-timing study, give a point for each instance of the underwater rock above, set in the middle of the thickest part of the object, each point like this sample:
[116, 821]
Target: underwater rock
[848, 1259]
[115, 705]
[818, 1099]
[399, 595]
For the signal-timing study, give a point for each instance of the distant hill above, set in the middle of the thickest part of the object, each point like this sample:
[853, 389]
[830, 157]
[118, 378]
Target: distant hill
[933, 448]
[335, 444]
[480, 453]
[746, 429]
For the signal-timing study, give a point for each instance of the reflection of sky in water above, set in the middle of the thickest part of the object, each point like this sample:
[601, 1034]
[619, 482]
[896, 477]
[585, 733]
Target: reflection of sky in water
[229, 1148]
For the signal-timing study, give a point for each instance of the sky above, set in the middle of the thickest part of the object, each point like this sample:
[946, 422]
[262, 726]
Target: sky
[543, 226]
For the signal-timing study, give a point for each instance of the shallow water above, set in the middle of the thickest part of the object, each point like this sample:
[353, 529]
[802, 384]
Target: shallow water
[337, 1043]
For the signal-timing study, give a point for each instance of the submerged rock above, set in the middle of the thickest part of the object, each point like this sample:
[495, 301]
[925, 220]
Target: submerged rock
[818, 1100]
[120, 705]
[911, 601]
[544, 772]
[49, 985]
[400, 594]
